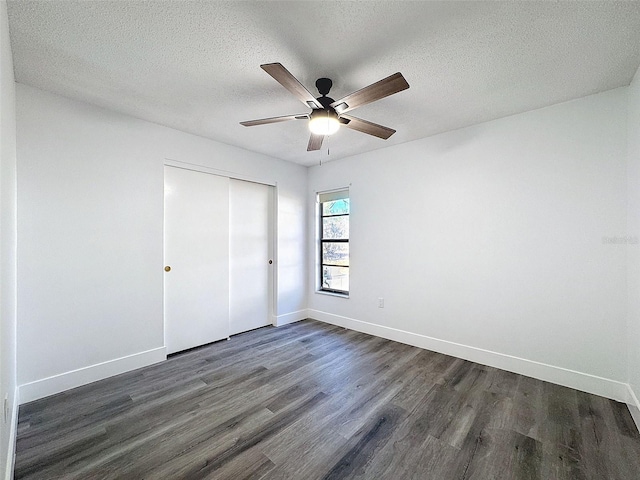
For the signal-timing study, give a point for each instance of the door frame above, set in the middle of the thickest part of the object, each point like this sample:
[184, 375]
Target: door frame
[272, 222]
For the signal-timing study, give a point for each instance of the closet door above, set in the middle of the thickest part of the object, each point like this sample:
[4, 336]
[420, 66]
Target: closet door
[196, 253]
[250, 207]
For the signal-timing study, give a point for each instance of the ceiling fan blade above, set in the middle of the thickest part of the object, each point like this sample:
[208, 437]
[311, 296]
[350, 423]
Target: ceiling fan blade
[315, 142]
[364, 126]
[387, 86]
[264, 121]
[291, 83]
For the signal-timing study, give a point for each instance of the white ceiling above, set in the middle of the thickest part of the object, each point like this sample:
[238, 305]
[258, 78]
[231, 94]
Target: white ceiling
[194, 66]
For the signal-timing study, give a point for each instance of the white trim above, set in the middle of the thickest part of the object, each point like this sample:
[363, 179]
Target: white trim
[332, 195]
[292, 317]
[562, 376]
[330, 190]
[273, 253]
[332, 294]
[82, 376]
[10, 454]
[215, 171]
[634, 406]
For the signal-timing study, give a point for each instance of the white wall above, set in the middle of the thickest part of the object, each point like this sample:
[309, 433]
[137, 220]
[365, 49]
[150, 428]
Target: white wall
[633, 250]
[90, 262]
[7, 249]
[487, 243]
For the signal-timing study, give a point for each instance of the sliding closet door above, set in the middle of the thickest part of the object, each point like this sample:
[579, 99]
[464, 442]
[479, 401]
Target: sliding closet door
[196, 252]
[249, 255]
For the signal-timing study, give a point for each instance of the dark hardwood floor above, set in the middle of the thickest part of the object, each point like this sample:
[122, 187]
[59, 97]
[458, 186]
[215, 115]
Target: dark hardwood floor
[314, 401]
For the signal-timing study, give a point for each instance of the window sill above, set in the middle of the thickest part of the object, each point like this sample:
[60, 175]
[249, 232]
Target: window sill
[333, 294]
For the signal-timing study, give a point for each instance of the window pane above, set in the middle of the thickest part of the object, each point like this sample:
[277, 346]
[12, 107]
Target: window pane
[335, 227]
[335, 278]
[338, 207]
[335, 253]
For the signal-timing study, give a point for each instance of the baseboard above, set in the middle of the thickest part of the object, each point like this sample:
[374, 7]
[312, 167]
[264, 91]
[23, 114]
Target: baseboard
[569, 378]
[11, 445]
[634, 406]
[82, 376]
[291, 317]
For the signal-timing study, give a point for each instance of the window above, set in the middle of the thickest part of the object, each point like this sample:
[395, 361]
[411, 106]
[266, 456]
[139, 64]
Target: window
[334, 241]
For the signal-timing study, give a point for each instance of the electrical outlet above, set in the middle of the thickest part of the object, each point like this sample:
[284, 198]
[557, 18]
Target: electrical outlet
[381, 302]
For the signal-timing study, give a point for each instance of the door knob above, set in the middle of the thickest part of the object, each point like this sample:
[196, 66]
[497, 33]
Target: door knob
[167, 268]
[270, 262]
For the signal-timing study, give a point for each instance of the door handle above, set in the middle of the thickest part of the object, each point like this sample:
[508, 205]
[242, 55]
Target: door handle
[167, 268]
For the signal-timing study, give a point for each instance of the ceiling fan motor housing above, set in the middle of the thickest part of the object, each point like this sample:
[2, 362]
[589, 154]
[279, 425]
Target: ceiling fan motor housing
[326, 102]
[324, 85]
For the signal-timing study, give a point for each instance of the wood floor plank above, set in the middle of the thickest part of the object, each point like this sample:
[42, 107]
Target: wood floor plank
[500, 451]
[405, 446]
[310, 401]
[362, 447]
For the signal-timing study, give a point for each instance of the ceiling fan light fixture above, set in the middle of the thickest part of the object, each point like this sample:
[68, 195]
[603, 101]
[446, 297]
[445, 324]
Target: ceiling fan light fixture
[324, 122]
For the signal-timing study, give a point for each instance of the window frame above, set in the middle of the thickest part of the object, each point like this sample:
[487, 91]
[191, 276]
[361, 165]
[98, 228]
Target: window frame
[321, 241]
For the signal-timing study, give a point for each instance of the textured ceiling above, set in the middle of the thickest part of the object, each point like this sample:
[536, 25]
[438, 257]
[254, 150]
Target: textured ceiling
[194, 66]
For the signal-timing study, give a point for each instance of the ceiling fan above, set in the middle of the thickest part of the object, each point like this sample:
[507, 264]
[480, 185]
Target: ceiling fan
[328, 114]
